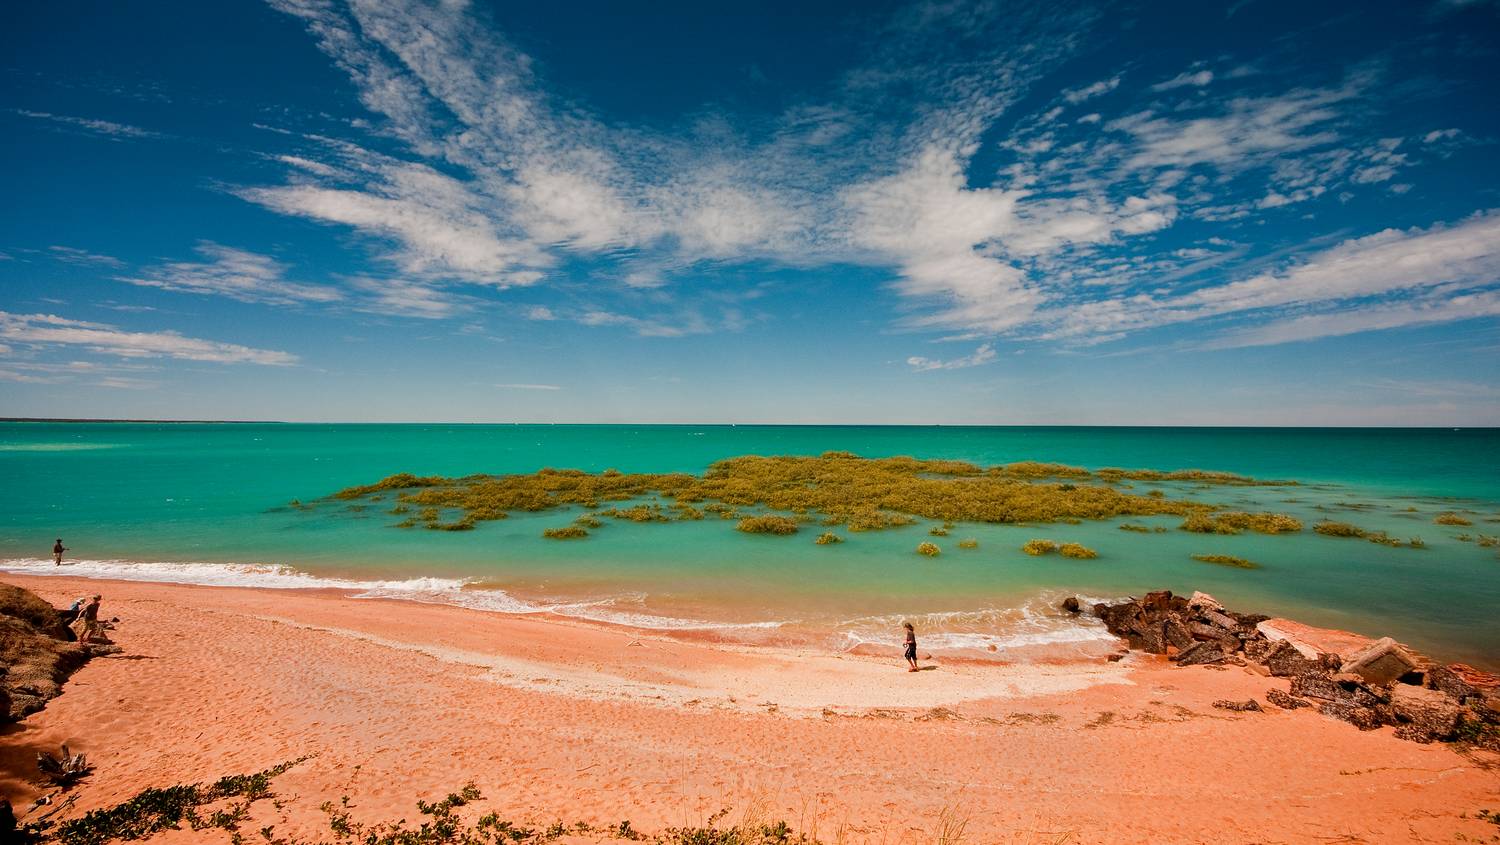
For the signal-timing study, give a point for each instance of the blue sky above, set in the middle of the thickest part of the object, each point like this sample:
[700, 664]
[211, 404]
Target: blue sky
[938, 212]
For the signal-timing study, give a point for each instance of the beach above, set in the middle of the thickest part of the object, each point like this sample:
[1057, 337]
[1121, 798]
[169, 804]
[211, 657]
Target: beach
[557, 720]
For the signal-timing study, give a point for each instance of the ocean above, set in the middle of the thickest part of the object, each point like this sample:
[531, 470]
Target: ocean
[208, 504]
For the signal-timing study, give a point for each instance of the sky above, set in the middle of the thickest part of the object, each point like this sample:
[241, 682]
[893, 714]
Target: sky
[1153, 213]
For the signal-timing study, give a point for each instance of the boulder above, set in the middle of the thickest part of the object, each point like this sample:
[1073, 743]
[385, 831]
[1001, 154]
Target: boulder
[1159, 601]
[1381, 663]
[1271, 631]
[1429, 714]
[1285, 661]
[1364, 718]
[1450, 683]
[1285, 701]
[1218, 619]
[1201, 654]
[1071, 604]
[1203, 601]
[1313, 685]
[1177, 635]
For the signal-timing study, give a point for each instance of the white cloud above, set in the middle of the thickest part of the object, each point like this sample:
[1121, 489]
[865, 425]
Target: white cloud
[233, 273]
[109, 129]
[1088, 92]
[1196, 79]
[1352, 321]
[982, 355]
[70, 255]
[44, 330]
[403, 298]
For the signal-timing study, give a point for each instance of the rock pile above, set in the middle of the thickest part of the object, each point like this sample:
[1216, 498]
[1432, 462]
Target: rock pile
[1382, 683]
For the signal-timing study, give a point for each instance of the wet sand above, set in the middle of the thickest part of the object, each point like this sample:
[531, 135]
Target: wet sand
[563, 721]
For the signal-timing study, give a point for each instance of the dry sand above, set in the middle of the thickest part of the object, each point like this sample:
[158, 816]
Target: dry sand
[563, 721]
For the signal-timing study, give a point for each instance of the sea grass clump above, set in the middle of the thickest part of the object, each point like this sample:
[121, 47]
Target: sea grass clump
[1233, 522]
[1037, 548]
[835, 488]
[936, 531]
[1450, 518]
[567, 532]
[767, 524]
[1227, 560]
[828, 538]
[588, 520]
[1077, 550]
[968, 543]
[1329, 528]
[928, 549]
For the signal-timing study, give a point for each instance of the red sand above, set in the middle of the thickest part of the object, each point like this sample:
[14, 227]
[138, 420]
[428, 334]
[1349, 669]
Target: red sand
[556, 721]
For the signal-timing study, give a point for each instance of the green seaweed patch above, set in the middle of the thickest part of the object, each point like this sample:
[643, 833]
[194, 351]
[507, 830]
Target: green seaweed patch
[828, 538]
[928, 549]
[834, 488]
[968, 543]
[1227, 560]
[1451, 518]
[767, 524]
[1077, 551]
[588, 520]
[1330, 528]
[1037, 548]
[567, 532]
[937, 531]
[1142, 529]
[1234, 522]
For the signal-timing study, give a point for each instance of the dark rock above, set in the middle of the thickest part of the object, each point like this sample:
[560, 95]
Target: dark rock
[1425, 712]
[1159, 601]
[1071, 605]
[1284, 701]
[1347, 711]
[1216, 618]
[1177, 634]
[1201, 654]
[1286, 662]
[1153, 639]
[1115, 658]
[1249, 706]
[1313, 685]
[1448, 682]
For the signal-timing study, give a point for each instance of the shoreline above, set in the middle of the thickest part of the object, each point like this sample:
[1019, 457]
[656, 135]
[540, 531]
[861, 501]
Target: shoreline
[559, 720]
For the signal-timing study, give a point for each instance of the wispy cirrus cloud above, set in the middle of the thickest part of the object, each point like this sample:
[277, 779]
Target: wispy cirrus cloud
[106, 128]
[983, 355]
[233, 273]
[47, 330]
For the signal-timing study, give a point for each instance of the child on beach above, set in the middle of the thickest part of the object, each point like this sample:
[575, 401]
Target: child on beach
[911, 646]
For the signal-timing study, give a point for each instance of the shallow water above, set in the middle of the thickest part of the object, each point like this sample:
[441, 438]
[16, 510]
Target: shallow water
[207, 504]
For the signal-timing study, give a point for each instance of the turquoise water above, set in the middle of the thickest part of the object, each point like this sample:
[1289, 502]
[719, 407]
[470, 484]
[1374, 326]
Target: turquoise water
[206, 503]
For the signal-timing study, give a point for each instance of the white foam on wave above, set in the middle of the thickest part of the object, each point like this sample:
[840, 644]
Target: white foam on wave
[1034, 622]
[454, 591]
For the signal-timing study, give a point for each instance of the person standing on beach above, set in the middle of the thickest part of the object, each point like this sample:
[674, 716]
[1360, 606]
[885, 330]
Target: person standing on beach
[57, 549]
[911, 645]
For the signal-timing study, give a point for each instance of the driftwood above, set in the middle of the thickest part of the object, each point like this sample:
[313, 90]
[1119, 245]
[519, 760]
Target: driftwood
[65, 770]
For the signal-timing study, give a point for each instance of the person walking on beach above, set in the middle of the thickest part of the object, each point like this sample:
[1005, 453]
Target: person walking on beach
[87, 626]
[911, 645]
[57, 549]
